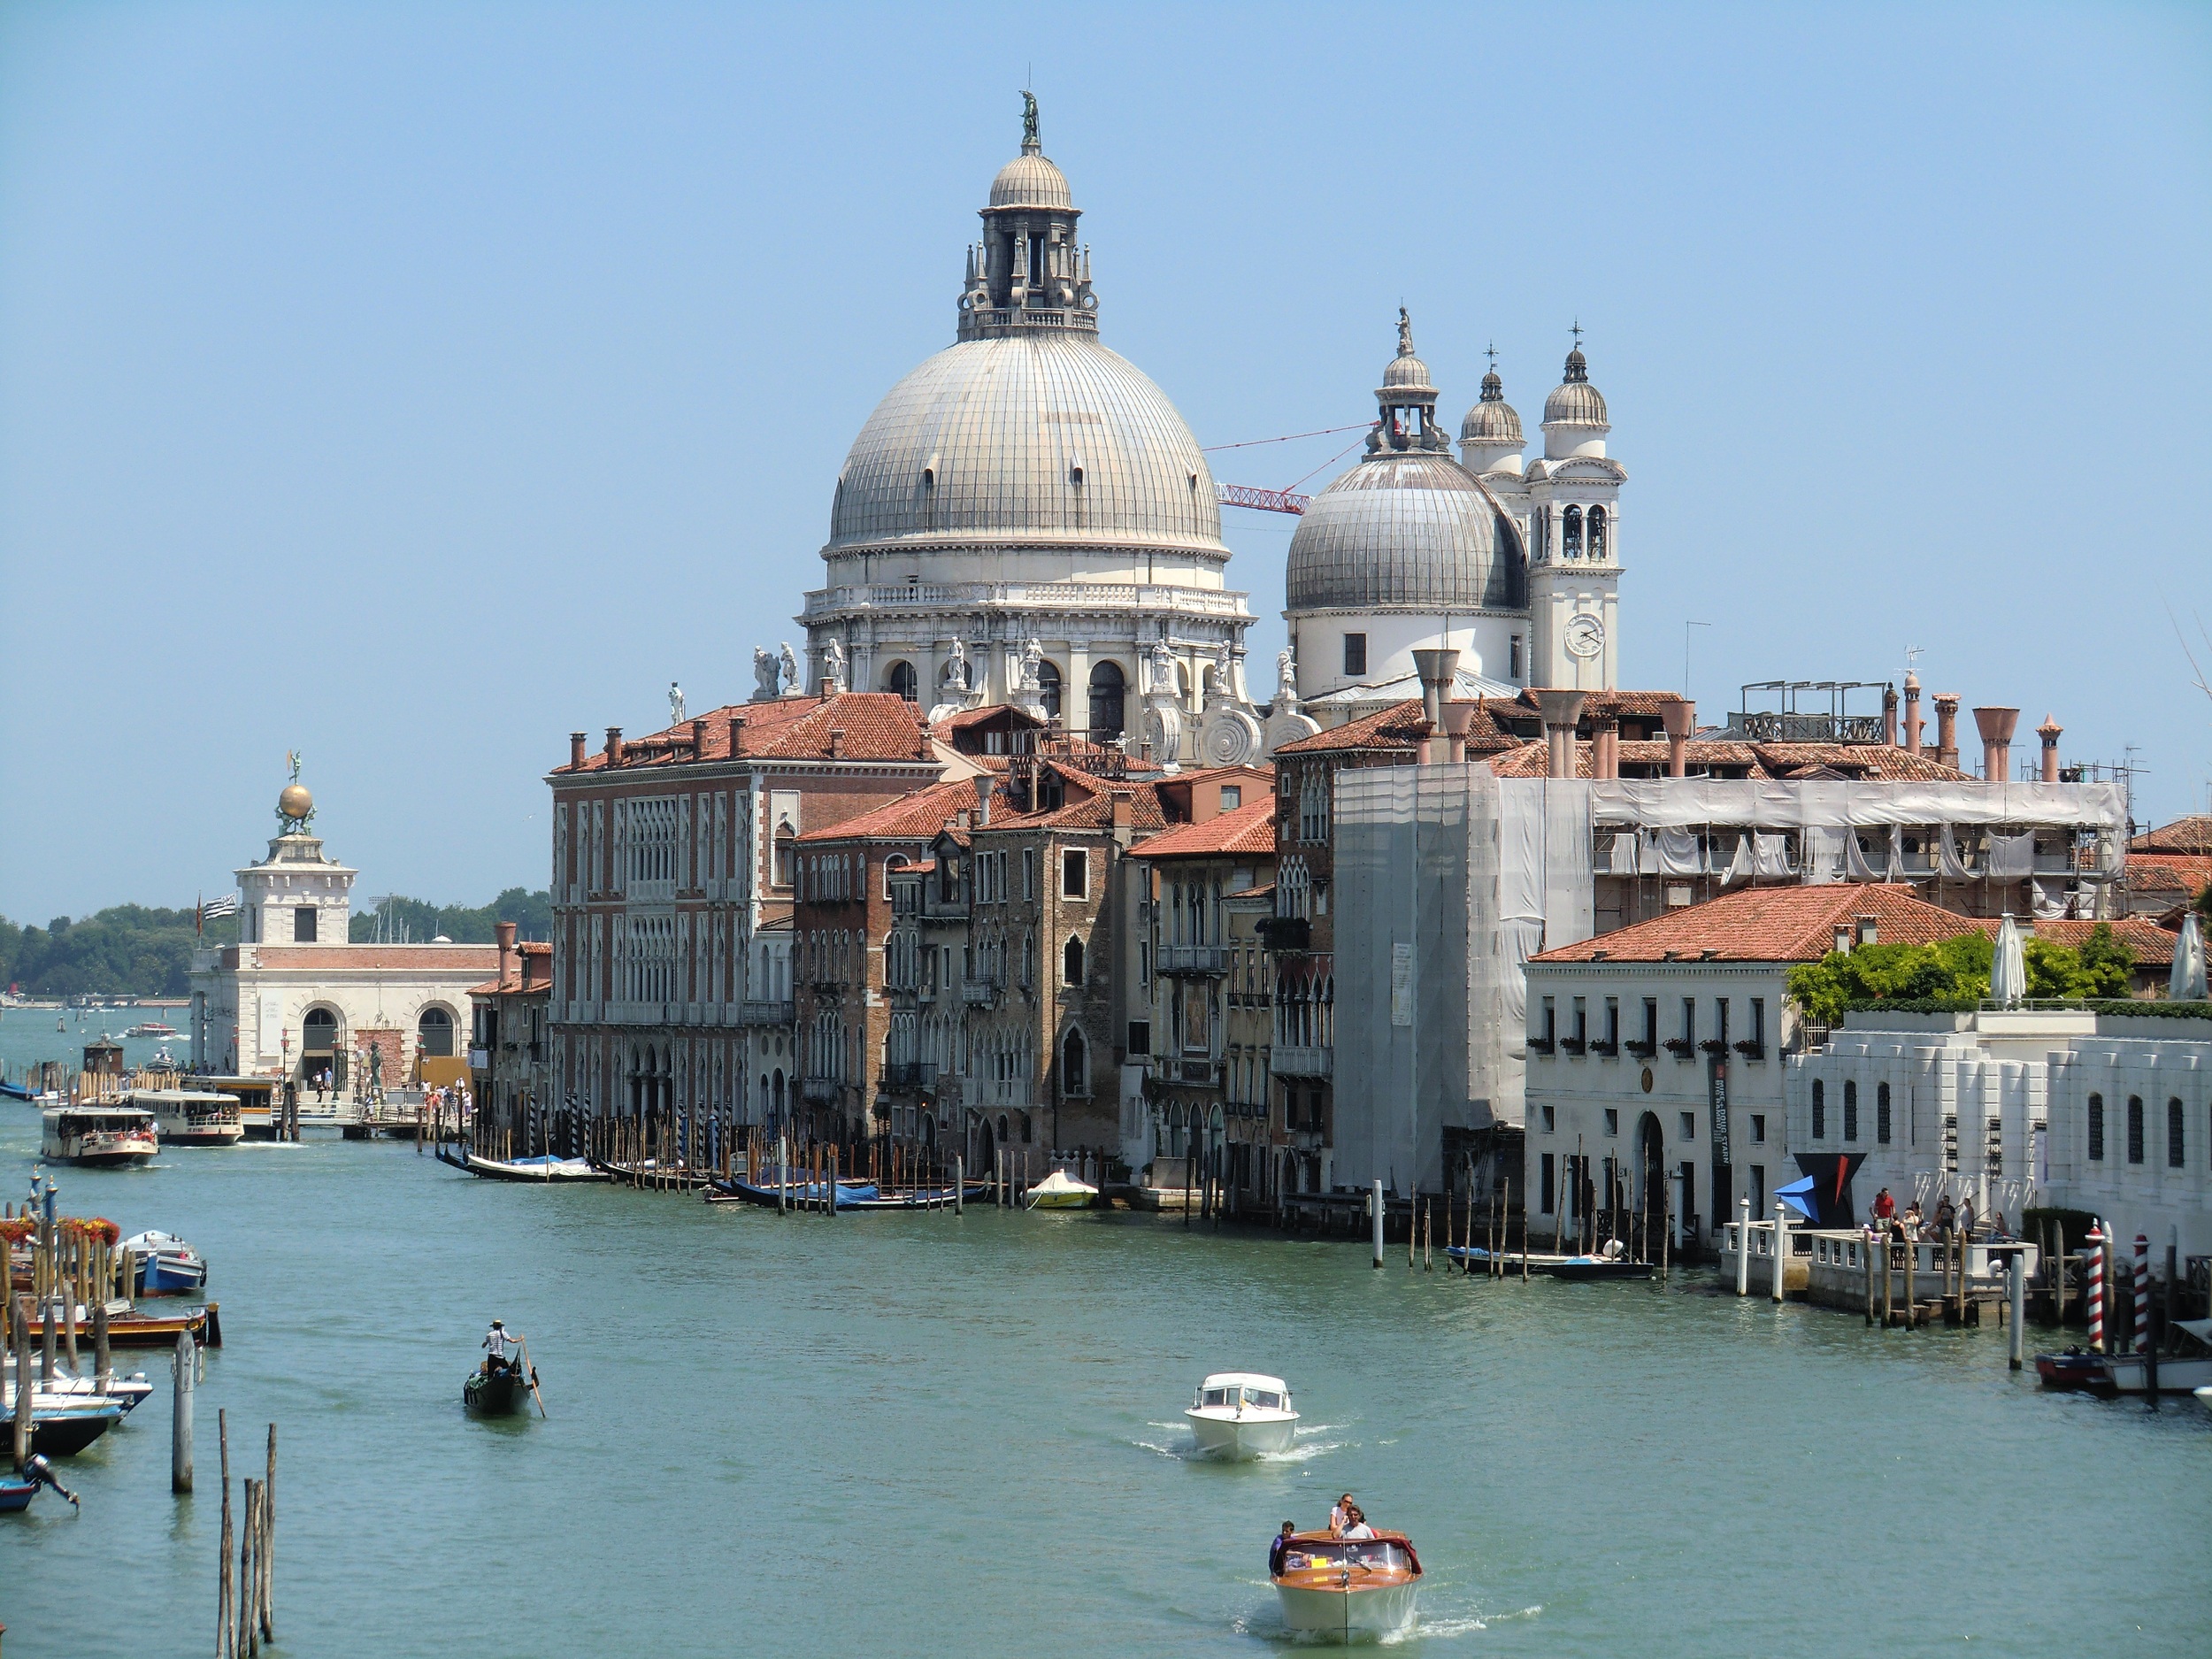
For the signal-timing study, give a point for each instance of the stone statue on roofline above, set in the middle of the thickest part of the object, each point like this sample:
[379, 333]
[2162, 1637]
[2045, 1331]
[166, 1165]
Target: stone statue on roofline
[1286, 677]
[1033, 664]
[789, 664]
[1161, 677]
[675, 703]
[956, 669]
[767, 674]
[833, 658]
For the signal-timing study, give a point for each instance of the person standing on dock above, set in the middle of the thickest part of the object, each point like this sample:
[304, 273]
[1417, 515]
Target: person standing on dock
[1966, 1216]
[1885, 1210]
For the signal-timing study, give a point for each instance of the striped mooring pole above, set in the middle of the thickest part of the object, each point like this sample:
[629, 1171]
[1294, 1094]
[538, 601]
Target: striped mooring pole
[2093, 1286]
[2142, 1294]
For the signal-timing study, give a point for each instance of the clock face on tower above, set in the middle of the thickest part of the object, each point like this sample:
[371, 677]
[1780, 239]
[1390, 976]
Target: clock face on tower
[1584, 635]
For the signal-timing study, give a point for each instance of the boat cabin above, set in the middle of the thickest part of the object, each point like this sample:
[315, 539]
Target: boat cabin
[1319, 1553]
[186, 1115]
[1237, 1390]
[98, 1134]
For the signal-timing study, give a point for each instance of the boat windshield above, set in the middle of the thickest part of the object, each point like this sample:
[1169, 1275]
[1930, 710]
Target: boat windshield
[1265, 1398]
[1373, 1555]
[1214, 1397]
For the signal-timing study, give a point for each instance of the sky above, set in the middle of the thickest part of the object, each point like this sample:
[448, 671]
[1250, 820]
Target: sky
[412, 385]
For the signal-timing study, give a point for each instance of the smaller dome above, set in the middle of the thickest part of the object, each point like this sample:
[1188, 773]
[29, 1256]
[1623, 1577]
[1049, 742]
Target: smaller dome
[296, 801]
[1576, 402]
[1030, 181]
[1493, 420]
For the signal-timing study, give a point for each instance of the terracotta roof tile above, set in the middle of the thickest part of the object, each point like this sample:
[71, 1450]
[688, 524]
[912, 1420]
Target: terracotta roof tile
[877, 726]
[916, 817]
[2192, 834]
[1792, 923]
[1397, 727]
[1245, 830]
[2182, 874]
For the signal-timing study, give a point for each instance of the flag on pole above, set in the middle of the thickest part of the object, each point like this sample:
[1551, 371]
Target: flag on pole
[214, 909]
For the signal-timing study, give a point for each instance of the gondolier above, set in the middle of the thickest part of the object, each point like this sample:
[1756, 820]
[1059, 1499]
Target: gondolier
[497, 1341]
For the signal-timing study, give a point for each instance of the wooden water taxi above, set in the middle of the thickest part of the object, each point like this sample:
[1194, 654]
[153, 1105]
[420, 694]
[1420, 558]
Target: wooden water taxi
[1350, 1589]
[162, 1264]
[130, 1329]
[1240, 1415]
[98, 1137]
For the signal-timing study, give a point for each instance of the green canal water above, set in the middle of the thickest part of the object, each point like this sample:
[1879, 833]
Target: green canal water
[961, 1436]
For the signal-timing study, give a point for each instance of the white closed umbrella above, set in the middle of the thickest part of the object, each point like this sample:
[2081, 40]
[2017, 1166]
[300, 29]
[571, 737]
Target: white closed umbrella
[2008, 973]
[2185, 983]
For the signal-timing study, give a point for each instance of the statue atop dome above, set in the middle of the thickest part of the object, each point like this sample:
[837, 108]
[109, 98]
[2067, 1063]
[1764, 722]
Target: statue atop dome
[1031, 146]
[296, 807]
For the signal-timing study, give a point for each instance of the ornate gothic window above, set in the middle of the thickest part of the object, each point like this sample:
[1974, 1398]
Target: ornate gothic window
[1072, 962]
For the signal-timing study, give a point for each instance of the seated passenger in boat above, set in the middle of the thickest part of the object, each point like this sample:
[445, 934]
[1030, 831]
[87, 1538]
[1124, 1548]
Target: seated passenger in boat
[1340, 1516]
[1358, 1528]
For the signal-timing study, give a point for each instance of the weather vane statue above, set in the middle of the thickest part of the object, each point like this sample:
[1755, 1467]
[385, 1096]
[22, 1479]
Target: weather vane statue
[295, 805]
[1030, 141]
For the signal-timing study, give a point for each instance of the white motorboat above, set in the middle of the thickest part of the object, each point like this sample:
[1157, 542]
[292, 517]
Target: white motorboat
[163, 1264]
[2129, 1373]
[543, 1169]
[96, 1137]
[191, 1116]
[1060, 1191]
[1239, 1415]
[1351, 1589]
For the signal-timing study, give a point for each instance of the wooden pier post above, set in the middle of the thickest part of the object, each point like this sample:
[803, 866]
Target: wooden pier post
[959, 1182]
[226, 1629]
[1912, 1303]
[2017, 1293]
[186, 1364]
[1743, 1246]
[23, 1389]
[1872, 1245]
[100, 1361]
[1376, 1210]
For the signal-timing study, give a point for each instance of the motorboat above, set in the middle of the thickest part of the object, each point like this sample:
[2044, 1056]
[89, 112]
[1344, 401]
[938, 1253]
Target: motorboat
[1584, 1268]
[191, 1116]
[1240, 1415]
[543, 1169]
[2204, 1398]
[1353, 1589]
[2075, 1368]
[62, 1425]
[152, 1028]
[98, 1137]
[126, 1392]
[16, 1490]
[1060, 1191]
[2129, 1373]
[163, 1264]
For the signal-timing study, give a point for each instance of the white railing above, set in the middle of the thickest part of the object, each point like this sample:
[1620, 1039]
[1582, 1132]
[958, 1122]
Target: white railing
[1108, 595]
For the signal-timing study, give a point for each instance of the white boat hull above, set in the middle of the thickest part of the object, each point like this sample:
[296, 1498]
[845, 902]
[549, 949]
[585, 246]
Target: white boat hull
[1351, 1615]
[2175, 1376]
[1237, 1439]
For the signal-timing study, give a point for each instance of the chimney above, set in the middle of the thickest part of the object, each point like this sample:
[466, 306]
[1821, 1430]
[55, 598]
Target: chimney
[1842, 938]
[983, 783]
[1946, 704]
[1912, 713]
[614, 746]
[1561, 711]
[737, 735]
[1680, 715]
[960, 819]
[576, 752]
[1457, 717]
[1997, 725]
[1605, 746]
[1889, 716]
[699, 738]
[1120, 809]
[1870, 930]
[836, 742]
[1437, 670]
[2048, 731]
[504, 931]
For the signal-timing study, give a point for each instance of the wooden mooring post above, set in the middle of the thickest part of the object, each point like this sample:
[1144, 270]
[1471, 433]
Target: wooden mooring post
[186, 1362]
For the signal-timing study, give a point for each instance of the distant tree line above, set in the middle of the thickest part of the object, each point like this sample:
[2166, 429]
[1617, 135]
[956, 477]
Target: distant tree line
[142, 950]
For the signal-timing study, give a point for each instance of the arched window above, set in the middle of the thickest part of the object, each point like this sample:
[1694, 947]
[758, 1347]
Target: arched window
[1820, 1109]
[1881, 1113]
[1109, 702]
[1850, 1109]
[903, 680]
[1074, 1071]
[2096, 1128]
[1072, 962]
[1570, 533]
[434, 1033]
[2174, 1159]
[1597, 532]
[2135, 1129]
[787, 861]
[1049, 687]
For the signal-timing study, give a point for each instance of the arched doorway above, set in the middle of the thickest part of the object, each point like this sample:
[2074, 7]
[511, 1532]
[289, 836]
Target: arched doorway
[1651, 1179]
[434, 1033]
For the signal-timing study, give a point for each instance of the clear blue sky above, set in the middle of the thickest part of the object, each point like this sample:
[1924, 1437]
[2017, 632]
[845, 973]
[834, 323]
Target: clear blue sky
[412, 385]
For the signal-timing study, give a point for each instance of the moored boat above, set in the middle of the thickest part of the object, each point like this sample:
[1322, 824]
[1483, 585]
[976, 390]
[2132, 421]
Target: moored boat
[1239, 1415]
[1582, 1268]
[2075, 1368]
[127, 1329]
[1352, 1589]
[542, 1170]
[98, 1137]
[1060, 1191]
[191, 1116]
[62, 1425]
[163, 1264]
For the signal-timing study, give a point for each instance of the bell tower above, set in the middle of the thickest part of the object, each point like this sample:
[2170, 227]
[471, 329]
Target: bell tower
[1574, 570]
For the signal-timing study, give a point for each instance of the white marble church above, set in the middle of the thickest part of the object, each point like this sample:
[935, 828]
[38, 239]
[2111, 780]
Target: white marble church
[1026, 519]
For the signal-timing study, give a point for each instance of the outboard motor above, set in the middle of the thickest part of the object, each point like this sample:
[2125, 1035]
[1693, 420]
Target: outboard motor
[36, 1468]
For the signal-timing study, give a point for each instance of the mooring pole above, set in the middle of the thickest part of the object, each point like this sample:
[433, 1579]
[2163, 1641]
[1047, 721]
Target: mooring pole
[1376, 1211]
[2017, 1293]
[1743, 1246]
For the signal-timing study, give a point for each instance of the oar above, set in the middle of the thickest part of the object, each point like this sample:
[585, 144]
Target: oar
[533, 1370]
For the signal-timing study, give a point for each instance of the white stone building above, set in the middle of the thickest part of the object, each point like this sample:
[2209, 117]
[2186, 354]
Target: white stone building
[294, 998]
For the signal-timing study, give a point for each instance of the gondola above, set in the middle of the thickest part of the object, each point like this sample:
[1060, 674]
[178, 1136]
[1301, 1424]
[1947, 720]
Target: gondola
[15, 1091]
[1580, 1268]
[498, 1394]
[858, 1196]
[544, 1171]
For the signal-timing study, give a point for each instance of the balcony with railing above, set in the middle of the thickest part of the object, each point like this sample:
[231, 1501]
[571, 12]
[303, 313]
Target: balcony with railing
[764, 1011]
[1295, 1060]
[1194, 959]
[822, 1091]
[980, 993]
[904, 1074]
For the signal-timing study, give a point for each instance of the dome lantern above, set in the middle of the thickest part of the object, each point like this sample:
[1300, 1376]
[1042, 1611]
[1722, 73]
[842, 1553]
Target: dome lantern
[1028, 271]
[1408, 417]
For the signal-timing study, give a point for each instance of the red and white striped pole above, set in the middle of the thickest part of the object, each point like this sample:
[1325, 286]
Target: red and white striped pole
[2142, 1294]
[2092, 1274]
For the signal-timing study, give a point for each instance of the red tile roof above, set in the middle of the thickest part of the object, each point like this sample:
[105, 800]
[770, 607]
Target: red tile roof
[1397, 727]
[2152, 945]
[911, 818]
[2182, 874]
[2183, 835]
[1794, 923]
[1244, 831]
[877, 725]
[1874, 763]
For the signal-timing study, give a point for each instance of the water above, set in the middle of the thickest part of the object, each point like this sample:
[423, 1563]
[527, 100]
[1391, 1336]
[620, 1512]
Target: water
[27, 1035]
[935, 1436]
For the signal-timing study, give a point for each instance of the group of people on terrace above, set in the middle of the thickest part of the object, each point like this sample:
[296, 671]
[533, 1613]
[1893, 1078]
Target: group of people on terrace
[1948, 1218]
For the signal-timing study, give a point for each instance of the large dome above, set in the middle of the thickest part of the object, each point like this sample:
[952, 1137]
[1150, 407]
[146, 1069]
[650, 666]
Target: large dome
[1042, 437]
[1412, 530]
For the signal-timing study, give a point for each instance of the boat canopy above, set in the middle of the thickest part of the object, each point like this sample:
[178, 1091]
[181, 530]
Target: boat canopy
[1387, 1552]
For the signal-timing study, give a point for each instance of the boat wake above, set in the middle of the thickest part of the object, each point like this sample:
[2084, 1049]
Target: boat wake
[1183, 1448]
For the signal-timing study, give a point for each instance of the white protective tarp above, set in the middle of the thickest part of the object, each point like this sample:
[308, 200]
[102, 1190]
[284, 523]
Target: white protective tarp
[1947, 859]
[1821, 859]
[1781, 804]
[1855, 867]
[1675, 852]
[2012, 857]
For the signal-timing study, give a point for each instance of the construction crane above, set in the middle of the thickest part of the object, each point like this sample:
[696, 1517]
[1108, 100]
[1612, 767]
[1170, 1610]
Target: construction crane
[1285, 500]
